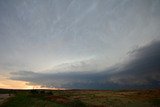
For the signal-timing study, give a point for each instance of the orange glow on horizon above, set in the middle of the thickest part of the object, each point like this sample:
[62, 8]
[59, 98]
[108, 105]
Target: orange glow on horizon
[14, 84]
[6, 83]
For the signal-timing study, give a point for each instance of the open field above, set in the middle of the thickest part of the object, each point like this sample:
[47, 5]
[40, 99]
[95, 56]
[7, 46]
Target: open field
[82, 98]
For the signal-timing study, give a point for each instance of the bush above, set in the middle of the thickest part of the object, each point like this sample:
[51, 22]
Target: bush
[49, 93]
[34, 91]
[155, 102]
[77, 103]
[42, 92]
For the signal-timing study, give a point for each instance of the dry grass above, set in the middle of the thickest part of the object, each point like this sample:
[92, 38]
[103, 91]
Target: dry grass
[89, 98]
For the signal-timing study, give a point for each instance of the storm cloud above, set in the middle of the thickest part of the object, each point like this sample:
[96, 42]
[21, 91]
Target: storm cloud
[97, 44]
[141, 69]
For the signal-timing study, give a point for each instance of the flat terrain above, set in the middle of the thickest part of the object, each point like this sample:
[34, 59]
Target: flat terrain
[82, 98]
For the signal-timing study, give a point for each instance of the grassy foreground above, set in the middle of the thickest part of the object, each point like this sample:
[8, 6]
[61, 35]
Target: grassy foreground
[82, 98]
[24, 99]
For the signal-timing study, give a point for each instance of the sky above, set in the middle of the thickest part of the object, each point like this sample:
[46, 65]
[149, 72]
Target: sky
[80, 44]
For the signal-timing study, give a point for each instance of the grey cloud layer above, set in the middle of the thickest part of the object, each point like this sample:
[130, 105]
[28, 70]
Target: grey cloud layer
[39, 34]
[141, 70]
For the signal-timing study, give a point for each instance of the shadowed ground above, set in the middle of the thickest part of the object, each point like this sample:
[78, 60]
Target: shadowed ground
[83, 98]
[4, 97]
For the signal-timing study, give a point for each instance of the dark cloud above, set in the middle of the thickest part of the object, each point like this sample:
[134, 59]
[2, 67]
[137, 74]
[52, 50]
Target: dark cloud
[141, 70]
[143, 66]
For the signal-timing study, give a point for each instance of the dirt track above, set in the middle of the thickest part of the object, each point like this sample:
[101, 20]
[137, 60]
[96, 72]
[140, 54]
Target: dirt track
[4, 97]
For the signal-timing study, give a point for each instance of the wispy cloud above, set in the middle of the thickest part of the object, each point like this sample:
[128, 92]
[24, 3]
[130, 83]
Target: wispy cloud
[38, 35]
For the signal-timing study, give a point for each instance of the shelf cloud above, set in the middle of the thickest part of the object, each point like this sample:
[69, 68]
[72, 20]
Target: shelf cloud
[140, 70]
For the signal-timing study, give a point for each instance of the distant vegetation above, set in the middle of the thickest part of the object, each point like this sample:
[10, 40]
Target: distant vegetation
[82, 98]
